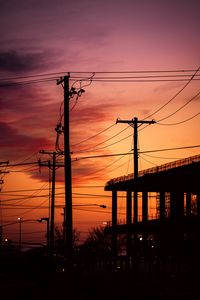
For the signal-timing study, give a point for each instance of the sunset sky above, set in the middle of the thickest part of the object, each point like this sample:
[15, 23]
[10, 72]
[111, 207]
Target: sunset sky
[114, 50]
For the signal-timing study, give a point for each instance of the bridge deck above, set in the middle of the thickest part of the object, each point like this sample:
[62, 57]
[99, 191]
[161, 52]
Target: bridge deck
[182, 173]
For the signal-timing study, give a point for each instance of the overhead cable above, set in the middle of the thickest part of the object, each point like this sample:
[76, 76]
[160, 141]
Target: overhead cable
[172, 98]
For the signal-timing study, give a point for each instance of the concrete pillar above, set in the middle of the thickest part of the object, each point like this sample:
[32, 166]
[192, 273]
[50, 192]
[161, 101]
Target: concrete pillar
[188, 204]
[129, 207]
[144, 206]
[162, 206]
[176, 232]
[114, 223]
[128, 222]
[198, 204]
[135, 206]
[176, 205]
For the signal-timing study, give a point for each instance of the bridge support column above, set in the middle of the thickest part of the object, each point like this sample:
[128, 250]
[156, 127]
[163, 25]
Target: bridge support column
[145, 218]
[188, 204]
[176, 206]
[176, 216]
[135, 197]
[128, 222]
[162, 206]
[198, 204]
[144, 206]
[114, 223]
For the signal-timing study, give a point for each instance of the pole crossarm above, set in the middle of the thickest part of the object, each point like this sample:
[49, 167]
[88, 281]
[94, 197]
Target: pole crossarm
[132, 121]
[49, 164]
[135, 123]
[4, 162]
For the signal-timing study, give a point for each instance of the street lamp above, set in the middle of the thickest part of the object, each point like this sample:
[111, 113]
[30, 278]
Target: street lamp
[94, 204]
[46, 220]
[20, 233]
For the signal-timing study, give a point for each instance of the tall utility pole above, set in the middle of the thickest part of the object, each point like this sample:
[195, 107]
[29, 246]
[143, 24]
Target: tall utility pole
[20, 234]
[134, 123]
[53, 202]
[68, 173]
[2, 163]
[52, 214]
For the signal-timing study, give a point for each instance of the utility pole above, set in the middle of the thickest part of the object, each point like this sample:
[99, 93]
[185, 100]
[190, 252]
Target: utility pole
[53, 202]
[20, 233]
[1, 237]
[68, 173]
[2, 163]
[52, 214]
[134, 123]
[47, 233]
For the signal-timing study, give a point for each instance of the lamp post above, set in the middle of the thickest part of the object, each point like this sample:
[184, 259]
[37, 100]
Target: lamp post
[46, 220]
[99, 205]
[20, 233]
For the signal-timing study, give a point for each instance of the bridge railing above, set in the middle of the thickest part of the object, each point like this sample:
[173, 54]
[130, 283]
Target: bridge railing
[164, 167]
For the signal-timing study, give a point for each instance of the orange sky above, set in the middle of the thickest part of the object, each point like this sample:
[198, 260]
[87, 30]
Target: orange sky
[92, 37]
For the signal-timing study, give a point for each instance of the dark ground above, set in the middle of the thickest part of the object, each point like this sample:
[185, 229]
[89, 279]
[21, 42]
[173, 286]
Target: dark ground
[37, 278]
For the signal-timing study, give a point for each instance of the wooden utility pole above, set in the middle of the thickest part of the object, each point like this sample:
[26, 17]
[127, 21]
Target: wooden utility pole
[53, 182]
[68, 173]
[2, 163]
[134, 123]
[53, 201]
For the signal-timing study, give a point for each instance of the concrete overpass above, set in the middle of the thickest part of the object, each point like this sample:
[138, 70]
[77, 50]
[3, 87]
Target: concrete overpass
[177, 183]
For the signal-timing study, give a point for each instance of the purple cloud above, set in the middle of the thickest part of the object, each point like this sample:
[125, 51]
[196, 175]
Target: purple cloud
[15, 145]
[13, 61]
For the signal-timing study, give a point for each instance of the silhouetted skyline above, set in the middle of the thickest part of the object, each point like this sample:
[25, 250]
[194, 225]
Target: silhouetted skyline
[44, 37]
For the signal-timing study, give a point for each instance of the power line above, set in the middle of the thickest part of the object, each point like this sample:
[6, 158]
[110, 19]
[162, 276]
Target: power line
[160, 157]
[99, 156]
[142, 80]
[147, 160]
[24, 83]
[181, 122]
[172, 114]
[114, 143]
[50, 77]
[24, 163]
[171, 99]
[29, 210]
[104, 130]
[100, 72]
[31, 190]
[92, 210]
[98, 80]
[93, 148]
[169, 149]
[116, 154]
